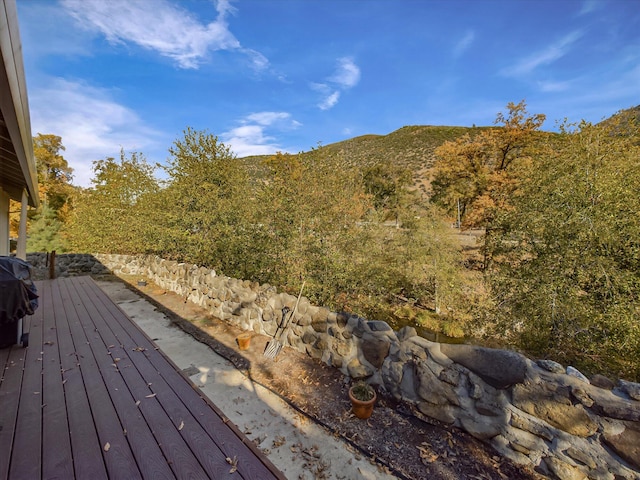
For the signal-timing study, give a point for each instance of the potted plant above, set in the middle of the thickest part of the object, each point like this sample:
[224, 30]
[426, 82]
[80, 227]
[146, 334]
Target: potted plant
[244, 340]
[362, 396]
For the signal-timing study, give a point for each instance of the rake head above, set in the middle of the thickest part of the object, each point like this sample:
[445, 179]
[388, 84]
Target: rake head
[272, 349]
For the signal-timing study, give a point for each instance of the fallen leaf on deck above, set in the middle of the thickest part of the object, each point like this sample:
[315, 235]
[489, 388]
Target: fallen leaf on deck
[234, 464]
[181, 425]
[107, 446]
[150, 396]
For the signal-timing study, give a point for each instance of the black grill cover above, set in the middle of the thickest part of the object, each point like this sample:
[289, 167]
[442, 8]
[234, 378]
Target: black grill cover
[18, 296]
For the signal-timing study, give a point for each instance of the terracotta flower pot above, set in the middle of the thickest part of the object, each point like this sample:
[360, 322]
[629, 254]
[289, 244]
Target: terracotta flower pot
[244, 341]
[362, 408]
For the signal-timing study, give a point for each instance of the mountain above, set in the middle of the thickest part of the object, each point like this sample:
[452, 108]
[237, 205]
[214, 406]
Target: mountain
[410, 146]
[627, 116]
[413, 146]
[625, 122]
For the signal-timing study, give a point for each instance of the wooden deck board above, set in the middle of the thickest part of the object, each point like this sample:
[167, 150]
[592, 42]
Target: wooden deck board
[138, 349]
[127, 386]
[56, 444]
[115, 449]
[97, 399]
[86, 448]
[9, 399]
[26, 460]
[221, 430]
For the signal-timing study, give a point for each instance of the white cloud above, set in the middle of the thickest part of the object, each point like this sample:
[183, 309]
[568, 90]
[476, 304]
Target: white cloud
[259, 61]
[267, 118]
[91, 124]
[347, 73]
[464, 43]
[346, 76]
[544, 57]
[329, 101]
[550, 86]
[162, 27]
[251, 137]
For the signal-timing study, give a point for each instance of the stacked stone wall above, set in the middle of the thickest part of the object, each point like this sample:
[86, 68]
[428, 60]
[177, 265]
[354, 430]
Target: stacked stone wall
[536, 413]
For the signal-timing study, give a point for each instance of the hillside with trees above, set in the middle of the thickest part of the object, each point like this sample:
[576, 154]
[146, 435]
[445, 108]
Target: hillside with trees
[367, 223]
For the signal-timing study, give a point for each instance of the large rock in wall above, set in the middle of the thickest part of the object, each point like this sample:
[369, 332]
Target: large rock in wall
[536, 413]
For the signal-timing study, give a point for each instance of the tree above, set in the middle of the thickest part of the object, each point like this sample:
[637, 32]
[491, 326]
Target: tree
[388, 185]
[45, 233]
[56, 196]
[566, 271]
[114, 215]
[207, 198]
[54, 174]
[308, 208]
[480, 173]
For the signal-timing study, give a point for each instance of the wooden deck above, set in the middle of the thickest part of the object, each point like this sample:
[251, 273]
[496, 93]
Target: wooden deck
[93, 398]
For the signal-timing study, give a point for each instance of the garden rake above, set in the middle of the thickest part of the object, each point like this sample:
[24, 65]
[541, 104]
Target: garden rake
[274, 346]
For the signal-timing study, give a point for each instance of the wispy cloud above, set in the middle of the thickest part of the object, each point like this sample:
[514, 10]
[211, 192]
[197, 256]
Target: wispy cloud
[162, 27]
[92, 125]
[589, 6]
[57, 35]
[347, 73]
[329, 96]
[464, 43]
[345, 76]
[551, 86]
[544, 57]
[329, 101]
[252, 137]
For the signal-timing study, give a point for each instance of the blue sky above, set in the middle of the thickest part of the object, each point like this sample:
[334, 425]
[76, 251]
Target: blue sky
[286, 75]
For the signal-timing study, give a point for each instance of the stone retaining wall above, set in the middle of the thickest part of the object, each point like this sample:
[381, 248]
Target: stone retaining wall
[537, 413]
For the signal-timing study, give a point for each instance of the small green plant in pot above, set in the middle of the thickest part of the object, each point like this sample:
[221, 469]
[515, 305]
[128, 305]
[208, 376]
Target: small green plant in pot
[362, 396]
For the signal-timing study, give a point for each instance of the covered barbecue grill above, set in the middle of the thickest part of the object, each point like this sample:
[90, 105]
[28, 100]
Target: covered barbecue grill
[18, 298]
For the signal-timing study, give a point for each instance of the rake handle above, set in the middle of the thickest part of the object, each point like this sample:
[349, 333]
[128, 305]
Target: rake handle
[295, 307]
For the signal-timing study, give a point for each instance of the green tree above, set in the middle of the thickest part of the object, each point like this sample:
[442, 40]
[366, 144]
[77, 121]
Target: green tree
[114, 215]
[388, 185]
[45, 233]
[208, 199]
[308, 208]
[56, 196]
[566, 271]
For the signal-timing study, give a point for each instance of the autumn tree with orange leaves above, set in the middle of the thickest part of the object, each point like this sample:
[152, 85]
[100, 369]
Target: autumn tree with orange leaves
[481, 172]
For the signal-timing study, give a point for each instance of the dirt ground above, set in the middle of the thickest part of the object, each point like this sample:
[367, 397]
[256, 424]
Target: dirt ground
[396, 436]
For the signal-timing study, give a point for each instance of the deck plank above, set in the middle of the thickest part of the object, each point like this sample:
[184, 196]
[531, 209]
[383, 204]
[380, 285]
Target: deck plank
[223, 433]
[118, 458]
[85, 445]
[138, 349]
[56, 444]
[178, 454]
[93, 397]
[9, 399]
[143, 456]
[26, 459]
